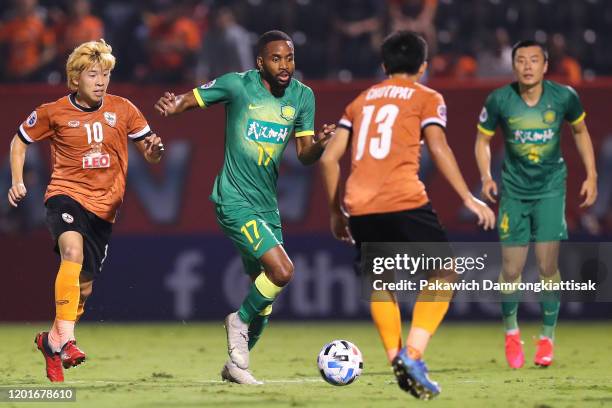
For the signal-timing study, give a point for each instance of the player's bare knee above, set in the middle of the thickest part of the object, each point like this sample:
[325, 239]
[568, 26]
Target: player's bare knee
[511, 274]
[547, 269]
[72, 253]
[283, 273]
[86, 289]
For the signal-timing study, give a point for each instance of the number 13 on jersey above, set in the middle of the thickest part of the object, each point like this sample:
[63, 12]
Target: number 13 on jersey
[380, 144]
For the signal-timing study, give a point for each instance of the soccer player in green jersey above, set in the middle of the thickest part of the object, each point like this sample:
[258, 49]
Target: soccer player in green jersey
[531, 113]
[264, 107]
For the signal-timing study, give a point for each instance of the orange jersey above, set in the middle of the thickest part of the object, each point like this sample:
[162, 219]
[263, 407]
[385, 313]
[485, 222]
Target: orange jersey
[386, 122]
[88, 149]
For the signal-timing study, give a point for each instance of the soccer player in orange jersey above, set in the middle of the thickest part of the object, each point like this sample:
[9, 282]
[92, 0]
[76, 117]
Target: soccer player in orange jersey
[384, 198]
[88, 131]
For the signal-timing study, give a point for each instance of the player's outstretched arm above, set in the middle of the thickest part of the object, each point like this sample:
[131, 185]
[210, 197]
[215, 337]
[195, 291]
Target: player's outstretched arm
[18, 191]
[170, 104]
[483, 160]
[330, 171]
[445, 161]
[585, 149]
[151, 148]
[309, 151]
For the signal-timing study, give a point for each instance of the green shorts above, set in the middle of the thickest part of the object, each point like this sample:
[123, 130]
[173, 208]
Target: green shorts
[252, 232]
[522, 221]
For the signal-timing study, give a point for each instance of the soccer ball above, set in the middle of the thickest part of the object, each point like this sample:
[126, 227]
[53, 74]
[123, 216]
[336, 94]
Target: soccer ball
[340, 362]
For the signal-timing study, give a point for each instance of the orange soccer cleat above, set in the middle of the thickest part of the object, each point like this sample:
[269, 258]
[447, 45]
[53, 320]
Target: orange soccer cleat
[514, 350]
[544, 352]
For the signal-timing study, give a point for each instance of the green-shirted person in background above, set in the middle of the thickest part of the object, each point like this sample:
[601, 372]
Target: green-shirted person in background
[264, 108]
[530, 113]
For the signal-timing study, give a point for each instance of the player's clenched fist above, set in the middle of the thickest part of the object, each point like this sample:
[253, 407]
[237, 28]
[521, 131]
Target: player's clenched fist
[153, 147]
[326, 133]
[166, 105]
[16, 193]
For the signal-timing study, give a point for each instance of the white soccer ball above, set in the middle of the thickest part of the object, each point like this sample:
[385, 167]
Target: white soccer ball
[340, 362]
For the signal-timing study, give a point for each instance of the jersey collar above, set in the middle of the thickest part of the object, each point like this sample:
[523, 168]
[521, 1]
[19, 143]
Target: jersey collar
[72, 98]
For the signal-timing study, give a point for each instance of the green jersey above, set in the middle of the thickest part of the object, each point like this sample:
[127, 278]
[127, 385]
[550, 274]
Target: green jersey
[533, 166]
[257, 129]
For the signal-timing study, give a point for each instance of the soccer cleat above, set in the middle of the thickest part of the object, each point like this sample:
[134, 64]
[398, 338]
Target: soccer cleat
[412, 377]
[52, 360]
[71, 355]
[514, 350]
[544, 352]
[237, 340]
[232, 373]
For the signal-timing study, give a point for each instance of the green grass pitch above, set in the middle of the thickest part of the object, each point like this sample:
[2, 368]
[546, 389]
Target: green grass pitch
[178, 365]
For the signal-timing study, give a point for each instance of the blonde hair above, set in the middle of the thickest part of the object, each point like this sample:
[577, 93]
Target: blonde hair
[85, 56]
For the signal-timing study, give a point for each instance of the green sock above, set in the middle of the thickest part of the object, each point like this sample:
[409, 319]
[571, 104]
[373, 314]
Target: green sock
[549, 304]
[509, 306]
[253, 304]
[256, 328]
[261, 295]
[510, 303]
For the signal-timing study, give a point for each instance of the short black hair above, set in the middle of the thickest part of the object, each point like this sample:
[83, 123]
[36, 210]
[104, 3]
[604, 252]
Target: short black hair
[267, 37]
[404, 51]
[528, 43]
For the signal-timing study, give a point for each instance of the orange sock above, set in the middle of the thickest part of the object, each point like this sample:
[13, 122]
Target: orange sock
[429, 315]
[67, 291]
[80, 308]
[388, 321]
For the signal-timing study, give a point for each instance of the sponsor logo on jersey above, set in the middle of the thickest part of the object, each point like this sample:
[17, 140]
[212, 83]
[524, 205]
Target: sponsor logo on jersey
[549, 116]
[268, 132]
[209, 84]
[74, 124]
[31, 120]
[484, 115]
[538, 136]
[111, 118]
[253, 107]
[67, 218]
[288, 112]
[96, 161]
[442, 112]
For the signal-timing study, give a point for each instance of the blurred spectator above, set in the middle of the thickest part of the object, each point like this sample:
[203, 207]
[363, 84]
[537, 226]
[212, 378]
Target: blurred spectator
[226, 48]
[415, 15]
[356, 36]
[27, 44]
[453, 65]
[561, 66]
[77, 27]
[173, 41]
[495, 58]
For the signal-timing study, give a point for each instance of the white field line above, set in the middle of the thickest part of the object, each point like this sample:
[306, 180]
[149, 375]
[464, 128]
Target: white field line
[210, 381]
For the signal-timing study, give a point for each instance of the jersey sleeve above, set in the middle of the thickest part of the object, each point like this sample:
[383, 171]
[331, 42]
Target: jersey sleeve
[489, 116]
[434, 111]
[346, 121]
[137, 126]
[574, 112]
[37, 126]
[304, 122]
[218, 90]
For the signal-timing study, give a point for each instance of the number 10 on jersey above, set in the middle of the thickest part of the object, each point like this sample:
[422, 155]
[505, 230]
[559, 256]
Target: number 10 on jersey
[94, 132]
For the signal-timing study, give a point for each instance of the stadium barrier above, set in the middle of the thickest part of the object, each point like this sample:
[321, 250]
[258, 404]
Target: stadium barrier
[168, 259]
